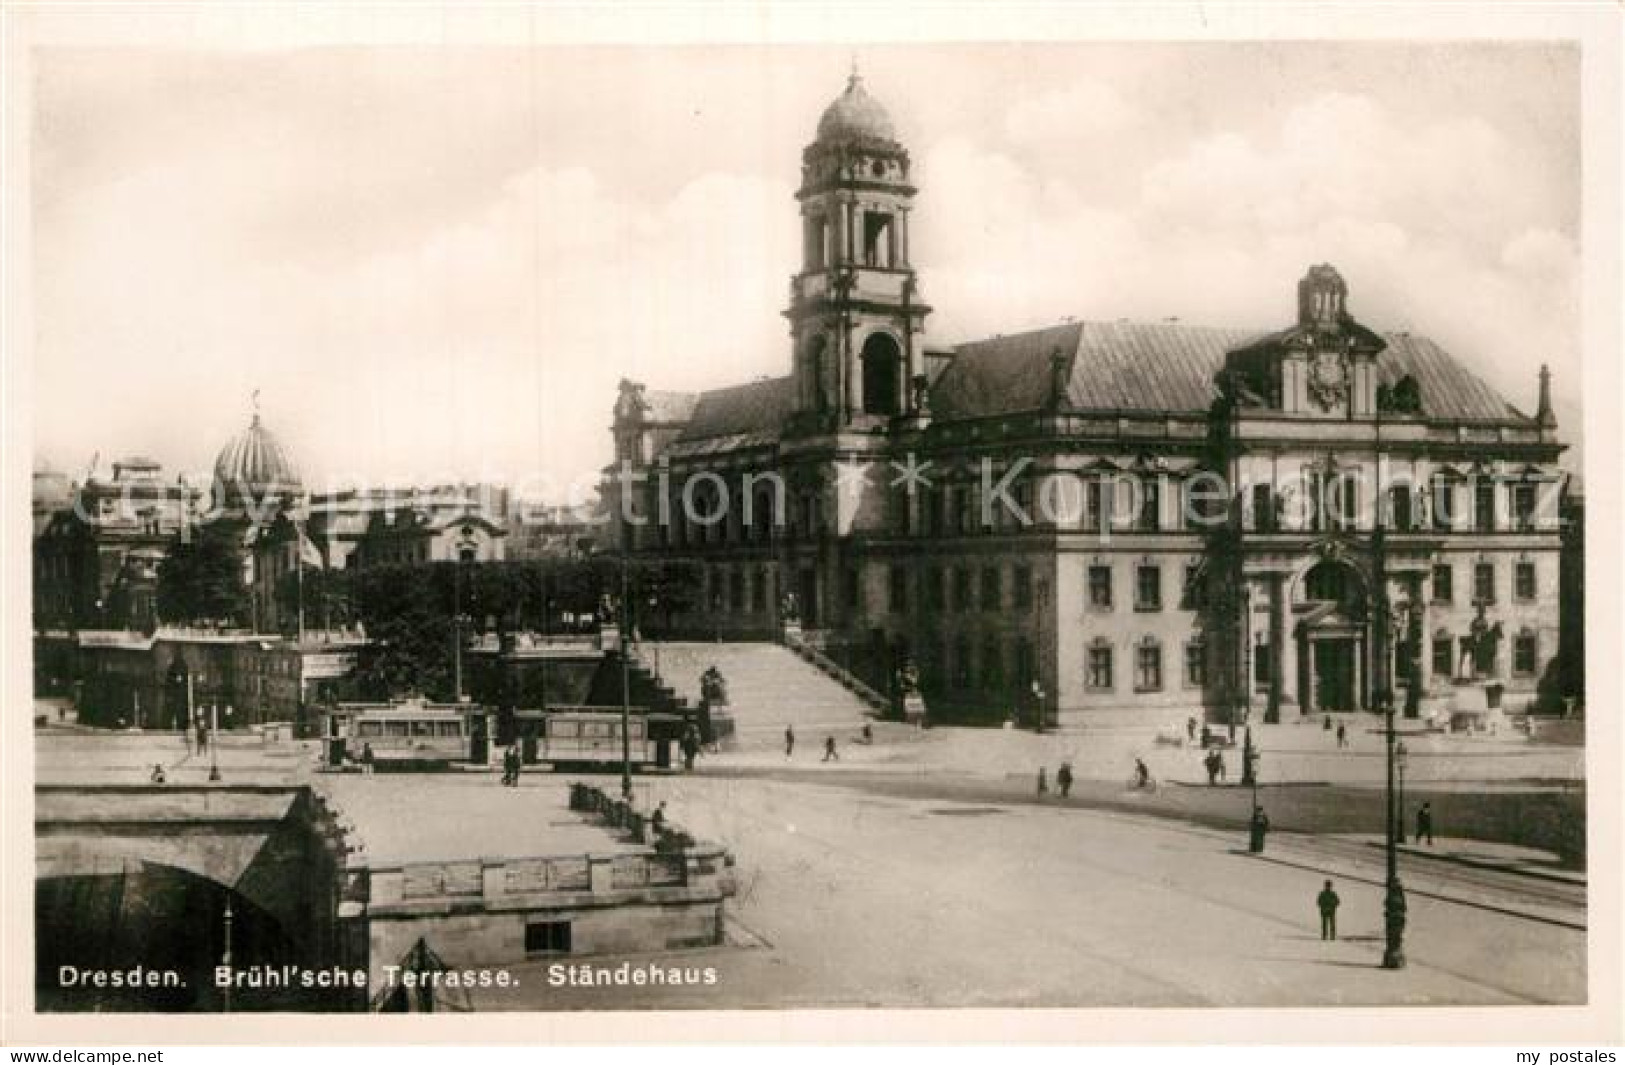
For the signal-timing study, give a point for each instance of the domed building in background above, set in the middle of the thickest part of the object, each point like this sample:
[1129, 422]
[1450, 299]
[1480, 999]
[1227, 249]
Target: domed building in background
[254, 470]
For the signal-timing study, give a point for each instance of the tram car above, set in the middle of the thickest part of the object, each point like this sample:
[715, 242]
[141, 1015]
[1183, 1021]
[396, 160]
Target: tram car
[417, 734]
[406, 734]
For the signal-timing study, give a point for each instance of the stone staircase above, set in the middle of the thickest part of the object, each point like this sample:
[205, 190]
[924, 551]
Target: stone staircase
[769, 687]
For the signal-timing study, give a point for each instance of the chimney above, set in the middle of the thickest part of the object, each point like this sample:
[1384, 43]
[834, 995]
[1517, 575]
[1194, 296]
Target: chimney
[1543, 414]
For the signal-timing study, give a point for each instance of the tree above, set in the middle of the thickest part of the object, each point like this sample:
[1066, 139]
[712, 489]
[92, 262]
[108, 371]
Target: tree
[201, 580]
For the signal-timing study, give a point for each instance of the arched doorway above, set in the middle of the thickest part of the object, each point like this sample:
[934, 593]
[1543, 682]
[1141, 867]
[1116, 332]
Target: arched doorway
[166, 920]
[1333, 638]
[882, 375]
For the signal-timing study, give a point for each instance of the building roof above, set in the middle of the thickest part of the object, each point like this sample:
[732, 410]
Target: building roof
[757, 409]
[1168, 367]
[855, 116]
[669, 407]
[254, 461]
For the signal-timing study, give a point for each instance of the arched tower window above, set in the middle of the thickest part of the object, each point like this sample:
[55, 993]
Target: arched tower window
[812, 368]
[882, 375]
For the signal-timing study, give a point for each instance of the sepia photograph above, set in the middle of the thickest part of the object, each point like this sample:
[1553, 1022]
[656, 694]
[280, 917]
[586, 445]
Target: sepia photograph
[599, 526]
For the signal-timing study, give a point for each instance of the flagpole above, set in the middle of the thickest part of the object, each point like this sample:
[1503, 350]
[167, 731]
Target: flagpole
[299, 561]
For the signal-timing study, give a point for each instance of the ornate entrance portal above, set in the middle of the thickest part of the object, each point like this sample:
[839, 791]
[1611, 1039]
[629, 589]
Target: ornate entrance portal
[1333, 639]
[1335, 668]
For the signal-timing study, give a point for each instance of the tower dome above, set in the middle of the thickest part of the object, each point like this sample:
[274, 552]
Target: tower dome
[254, 464]
[855, 116]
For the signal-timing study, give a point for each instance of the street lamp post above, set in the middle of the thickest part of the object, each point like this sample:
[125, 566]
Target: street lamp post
[626, 685]
[214, 742]
[1393, 906]
[225, 957]
[1400, 758]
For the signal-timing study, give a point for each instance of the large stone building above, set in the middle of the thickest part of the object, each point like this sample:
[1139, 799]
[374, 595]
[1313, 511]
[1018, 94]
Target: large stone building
[1137, 519]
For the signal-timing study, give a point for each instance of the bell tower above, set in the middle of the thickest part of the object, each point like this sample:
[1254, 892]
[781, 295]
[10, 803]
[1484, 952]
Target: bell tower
[855, 312]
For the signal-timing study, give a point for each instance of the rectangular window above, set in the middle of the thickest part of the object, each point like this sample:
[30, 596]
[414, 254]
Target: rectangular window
[1523, 506]
[1150, 517]
[1443, 583]
[1096, 509]
[992, 594]
[1524, 654]
[1100, 587]
[962, 597]
[1483, 505]
[1024, 587]
[1148, 588]
[1264, 507]
[1195, 664]
[1484, 582]
[547, 937]
[1148, 668]
[1100, 669]
[1444, 501]
[1524, 586]
[1399, 508]
[899, 590]
[1442, 664]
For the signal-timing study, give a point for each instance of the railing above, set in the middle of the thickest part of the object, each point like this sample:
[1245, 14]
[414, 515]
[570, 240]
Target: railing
[799, 645]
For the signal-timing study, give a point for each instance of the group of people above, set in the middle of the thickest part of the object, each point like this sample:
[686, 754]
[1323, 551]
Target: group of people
[1063, 780]
[1214, 764]
[831, 753]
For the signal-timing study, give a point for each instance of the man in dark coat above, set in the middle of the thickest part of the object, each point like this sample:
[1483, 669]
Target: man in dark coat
[1424, 823]
[789, 741]
[1063, 779]
[829, 749]
[1328, 902]
[1258, 827]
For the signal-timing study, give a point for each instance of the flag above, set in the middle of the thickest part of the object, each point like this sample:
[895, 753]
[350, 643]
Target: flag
[309, 553]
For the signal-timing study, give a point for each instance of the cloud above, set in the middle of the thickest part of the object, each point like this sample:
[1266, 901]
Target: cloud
[1083, 110]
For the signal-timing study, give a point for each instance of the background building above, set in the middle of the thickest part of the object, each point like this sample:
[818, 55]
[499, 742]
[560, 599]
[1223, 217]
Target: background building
[1098, 518]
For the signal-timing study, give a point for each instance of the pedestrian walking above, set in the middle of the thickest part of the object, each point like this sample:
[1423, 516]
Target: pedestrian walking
[1218, 764]
[507, 766]
[1424, 823]
[366, 758]
[518, 765]
[1327, 901]
[789, 741]
[1043, 782]
[1342, 735]
[157, 776]
[1190, 729]
[1257, 828]
[658, 818]
[829, 750]
[202, 737]
[868, 733]
[1063, 779]
[1207, 736]
[1211, 763]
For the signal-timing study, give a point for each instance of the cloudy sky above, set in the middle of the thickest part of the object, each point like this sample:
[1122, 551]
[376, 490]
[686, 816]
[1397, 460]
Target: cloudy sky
[437, 263]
